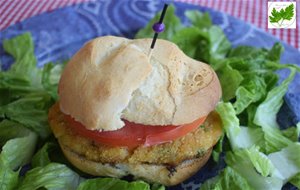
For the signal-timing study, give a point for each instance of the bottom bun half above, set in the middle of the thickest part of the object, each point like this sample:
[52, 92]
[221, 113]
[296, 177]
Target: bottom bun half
[168, 163]
[153, 173]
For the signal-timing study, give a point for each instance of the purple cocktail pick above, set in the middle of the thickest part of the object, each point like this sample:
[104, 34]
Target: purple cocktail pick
[158, 28]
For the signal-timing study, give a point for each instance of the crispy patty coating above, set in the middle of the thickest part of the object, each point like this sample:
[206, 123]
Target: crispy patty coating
[192, 145]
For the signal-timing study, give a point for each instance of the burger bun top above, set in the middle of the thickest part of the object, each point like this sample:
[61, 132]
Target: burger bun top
[112, 78]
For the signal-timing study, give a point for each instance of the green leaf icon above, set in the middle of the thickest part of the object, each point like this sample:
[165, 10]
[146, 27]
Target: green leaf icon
[284, 14]
[288, 12]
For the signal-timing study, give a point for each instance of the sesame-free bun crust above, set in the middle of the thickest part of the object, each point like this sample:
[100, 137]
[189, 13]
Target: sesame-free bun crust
[112, 78]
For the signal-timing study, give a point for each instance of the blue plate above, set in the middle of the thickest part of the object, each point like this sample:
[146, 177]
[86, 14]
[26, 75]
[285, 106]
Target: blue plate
[58, 35]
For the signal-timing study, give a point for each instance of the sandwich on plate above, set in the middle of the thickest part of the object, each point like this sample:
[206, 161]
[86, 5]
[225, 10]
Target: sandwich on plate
[121, 112]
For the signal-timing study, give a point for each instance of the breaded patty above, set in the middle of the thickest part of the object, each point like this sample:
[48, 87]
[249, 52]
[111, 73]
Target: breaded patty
[193, 145]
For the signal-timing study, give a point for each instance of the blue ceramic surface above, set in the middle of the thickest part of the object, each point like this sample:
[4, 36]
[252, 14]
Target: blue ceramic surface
[59, 34]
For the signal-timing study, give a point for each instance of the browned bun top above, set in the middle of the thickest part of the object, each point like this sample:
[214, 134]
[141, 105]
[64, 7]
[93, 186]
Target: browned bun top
[112, 78]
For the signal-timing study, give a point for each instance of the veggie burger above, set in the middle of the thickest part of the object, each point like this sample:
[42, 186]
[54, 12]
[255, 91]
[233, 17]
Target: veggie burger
[122, 113]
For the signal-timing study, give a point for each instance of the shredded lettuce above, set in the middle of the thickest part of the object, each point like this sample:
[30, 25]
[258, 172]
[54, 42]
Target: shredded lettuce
[260, 155]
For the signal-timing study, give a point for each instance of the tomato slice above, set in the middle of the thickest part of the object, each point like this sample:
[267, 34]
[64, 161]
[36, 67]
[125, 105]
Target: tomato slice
[133, 134]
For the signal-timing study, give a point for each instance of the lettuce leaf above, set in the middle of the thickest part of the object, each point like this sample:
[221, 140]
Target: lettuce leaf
[199, 19]
[206, 42]
[251, 164]
[30, 110]
[10, 130]
[12, 153]
[275, 52]
[228, 179]
[22, 49]
[26, 91]
[50, 77]
[286, 161]
[53, 176]
[111, 184]
[266, 112]
[292, 133]
[172, 25]
[193, 45]
[12, 157]
[230, 122]
[252, 89]
[218, 148]
[248, 137]
[8, 178]
[260, 162]
[219, 44]
[230, 80]
[251, 169]
[296, 180]
[41, 158]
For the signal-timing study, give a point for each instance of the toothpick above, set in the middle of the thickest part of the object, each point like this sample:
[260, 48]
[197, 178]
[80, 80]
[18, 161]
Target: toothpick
[158, 28]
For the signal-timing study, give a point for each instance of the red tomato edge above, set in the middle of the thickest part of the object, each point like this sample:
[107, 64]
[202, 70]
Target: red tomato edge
[154, 134]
